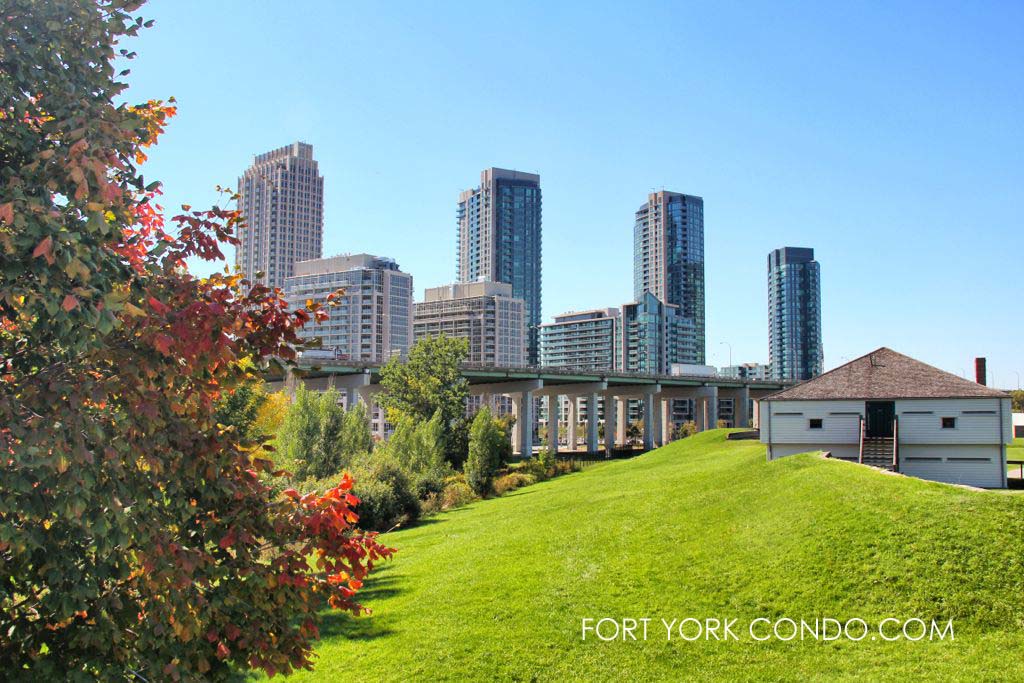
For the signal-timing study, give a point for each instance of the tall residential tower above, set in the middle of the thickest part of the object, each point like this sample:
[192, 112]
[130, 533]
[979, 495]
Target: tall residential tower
[500, 239]
[794, 314]
[668, 258]
[282, 201]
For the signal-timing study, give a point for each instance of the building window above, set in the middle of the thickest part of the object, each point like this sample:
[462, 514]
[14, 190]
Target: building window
[815, 423]
[949, 423]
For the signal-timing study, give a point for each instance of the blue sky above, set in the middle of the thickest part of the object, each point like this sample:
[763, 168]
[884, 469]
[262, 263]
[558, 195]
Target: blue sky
[885, 135]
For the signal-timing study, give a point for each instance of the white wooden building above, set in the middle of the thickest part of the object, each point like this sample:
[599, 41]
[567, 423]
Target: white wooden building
[891, 411]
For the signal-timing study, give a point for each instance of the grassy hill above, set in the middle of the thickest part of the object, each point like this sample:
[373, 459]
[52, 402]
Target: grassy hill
[701, 528]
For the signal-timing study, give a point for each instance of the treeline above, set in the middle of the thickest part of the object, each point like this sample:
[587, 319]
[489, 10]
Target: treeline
[437, 457]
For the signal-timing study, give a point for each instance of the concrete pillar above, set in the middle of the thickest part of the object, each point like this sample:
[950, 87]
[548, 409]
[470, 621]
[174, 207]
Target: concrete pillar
[611, 429]
[706, 407]
[665, 417]
[525, 423]
[740, 408]
[572, 422]
[657, 432]
[515, 428]
[648, 421]
[592, 422]
[621, 420]
[554, 413]
[713, 408]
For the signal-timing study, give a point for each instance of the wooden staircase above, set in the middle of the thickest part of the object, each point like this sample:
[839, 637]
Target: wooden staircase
[877, 451]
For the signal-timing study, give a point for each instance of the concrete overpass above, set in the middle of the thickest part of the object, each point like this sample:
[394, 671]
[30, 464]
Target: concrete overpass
[361, 381]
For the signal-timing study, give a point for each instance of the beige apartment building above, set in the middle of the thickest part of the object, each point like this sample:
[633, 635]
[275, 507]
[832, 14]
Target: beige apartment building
[282, 201]
[371, 321]
[485, 313]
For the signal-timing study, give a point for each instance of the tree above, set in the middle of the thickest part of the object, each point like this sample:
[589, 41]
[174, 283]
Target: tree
[485, 443]
[240, 409]
[1018, 400]
[318, 438]
[138, 537]
[419, 447]
[271, 414]
[429, 382]
[356, 435]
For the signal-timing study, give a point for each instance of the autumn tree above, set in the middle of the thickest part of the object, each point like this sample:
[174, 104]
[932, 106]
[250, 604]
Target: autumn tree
[139, 538]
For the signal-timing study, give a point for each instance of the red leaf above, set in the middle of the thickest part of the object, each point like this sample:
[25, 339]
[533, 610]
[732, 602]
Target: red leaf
[163, 342]
[158, 305]
[222, 650]
[7, 213]
[70, 303]
[228, 540]
[44, 249]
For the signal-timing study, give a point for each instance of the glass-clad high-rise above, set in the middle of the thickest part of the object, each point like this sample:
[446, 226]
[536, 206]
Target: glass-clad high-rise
[668, 258]
[500, 239]
[794, 314]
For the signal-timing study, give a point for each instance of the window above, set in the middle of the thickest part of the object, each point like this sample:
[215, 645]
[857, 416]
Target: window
[816, 423]
[949, 423]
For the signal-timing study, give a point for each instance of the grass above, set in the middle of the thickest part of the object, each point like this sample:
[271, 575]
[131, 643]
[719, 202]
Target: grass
[701, 528]
[1015, 451]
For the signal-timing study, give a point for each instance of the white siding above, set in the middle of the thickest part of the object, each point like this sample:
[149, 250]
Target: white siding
[969, 454]
[973, 465]
[790, 422]
[977, 421]
[840, 451]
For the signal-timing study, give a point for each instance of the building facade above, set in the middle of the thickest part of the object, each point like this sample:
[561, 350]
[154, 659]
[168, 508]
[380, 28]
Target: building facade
[653, 336]
[484, 313]
[752, 371]
[371, 321]
[668, 258]
[282, 202]
[896, 413]
[794, 314]
[500, 240]
[583, 340]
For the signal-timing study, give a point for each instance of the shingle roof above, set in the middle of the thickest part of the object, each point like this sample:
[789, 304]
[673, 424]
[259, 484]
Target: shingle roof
[885, 374]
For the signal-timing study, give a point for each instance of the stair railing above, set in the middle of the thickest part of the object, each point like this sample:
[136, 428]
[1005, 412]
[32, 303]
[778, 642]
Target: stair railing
[861, 456]
[896, 443]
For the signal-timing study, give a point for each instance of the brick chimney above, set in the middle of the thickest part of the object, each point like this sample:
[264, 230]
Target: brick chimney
[980, 372]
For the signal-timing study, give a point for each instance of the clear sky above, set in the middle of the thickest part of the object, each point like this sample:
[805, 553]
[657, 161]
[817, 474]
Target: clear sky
[887, 136]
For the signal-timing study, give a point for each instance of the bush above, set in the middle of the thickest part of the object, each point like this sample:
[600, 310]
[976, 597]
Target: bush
[548, 459]
[456, 493]
[512, 481]
[386, 496]
[485, 446]
[533, 467]
[565, 467]
[688, 428]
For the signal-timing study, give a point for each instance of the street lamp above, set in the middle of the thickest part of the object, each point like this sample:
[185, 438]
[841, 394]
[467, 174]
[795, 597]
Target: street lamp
[730, 351]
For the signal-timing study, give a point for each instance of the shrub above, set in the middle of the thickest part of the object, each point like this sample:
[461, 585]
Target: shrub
[533, 467]
[722, 424]
[456, 493]
[565, 467]
[688, 428]
[548, 459]
[386, 496]
[485, 444]
[512, 481]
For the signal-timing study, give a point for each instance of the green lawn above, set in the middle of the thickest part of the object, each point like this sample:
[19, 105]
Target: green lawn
[701, 528]
[1015, 452]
